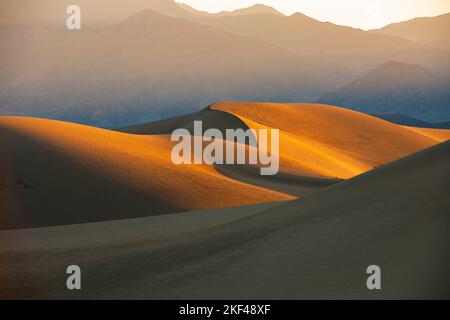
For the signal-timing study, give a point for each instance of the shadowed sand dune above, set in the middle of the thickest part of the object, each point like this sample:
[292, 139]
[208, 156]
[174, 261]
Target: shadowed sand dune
[54, 172]
[210, 119]
[282, 182]
[395, 216]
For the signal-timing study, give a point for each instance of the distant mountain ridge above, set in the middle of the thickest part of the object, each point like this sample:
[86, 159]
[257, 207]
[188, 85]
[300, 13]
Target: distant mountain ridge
[166, 58]
[342, 45]
[396, 88]
[432, 31]
[255, 9]
[147, 67]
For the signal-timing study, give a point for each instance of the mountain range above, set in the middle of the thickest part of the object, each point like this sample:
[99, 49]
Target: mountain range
[158, 58]
[396, 88]
[149, 66]
[431, 31]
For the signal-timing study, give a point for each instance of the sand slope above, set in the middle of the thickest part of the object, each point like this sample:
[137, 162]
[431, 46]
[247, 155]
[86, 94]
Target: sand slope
[395, 216]
[438, 135]
[315, 140]
[53, 172]
[327, 141]
[319, 144]
[56, 172]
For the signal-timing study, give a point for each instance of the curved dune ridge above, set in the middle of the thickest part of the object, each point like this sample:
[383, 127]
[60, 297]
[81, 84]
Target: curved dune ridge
[327, 141]
[62, 173]
[438, 135]
[54, 172]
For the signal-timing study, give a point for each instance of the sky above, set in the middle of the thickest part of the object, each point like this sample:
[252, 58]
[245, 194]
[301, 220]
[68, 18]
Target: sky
[364, 14]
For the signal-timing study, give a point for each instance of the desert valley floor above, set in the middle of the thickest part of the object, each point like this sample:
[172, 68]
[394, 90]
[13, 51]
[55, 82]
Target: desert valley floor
[353, 190]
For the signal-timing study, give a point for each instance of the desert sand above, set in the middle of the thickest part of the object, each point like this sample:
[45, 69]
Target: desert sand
[438, 135]
[353, 191]
[119, 175]
[315, 140]
[395, 216]
[61, 173]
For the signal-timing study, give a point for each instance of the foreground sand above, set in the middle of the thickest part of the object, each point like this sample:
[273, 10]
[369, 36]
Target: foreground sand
[395, 216]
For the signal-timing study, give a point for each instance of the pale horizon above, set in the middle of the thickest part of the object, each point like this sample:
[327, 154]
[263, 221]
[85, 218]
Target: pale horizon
[363, 14]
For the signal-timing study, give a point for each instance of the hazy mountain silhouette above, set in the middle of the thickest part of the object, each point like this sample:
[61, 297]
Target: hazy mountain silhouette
[432, 31]
[396, 88]
[255, 9]
[27, 12]
[93, 11]
[340, 44]
[116, 72]
[147, 67]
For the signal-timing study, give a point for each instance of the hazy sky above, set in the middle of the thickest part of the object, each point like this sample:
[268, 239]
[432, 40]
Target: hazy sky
[364, 14]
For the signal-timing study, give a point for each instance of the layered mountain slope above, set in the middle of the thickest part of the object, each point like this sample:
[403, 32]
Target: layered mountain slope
[431, 31]
[149, 66]
[255, 9]
[396, 87]
[343, 45]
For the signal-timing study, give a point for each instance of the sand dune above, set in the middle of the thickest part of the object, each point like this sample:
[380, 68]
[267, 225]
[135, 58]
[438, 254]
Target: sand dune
[55, 172]
[293, 184]
[315, 140]
[210, 119]
[438, 135]
[327, 141]
[395, 216]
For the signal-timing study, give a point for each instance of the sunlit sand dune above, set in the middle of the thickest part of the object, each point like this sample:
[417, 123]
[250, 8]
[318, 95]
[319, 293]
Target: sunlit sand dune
[327, 141]
[315, 140]
[55, 172]
[438, 135]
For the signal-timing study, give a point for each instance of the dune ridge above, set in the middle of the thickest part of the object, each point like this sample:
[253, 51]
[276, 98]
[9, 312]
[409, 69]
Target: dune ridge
[316, 140]
[99, 174]
[327, 141]
[438, 135]
[76, 170]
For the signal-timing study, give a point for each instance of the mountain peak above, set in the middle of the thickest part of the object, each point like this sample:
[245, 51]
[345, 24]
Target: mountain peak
[298, 16]
[255, 9]
[143, 15]
[396, 71]
[395, 87]
[148, 18]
